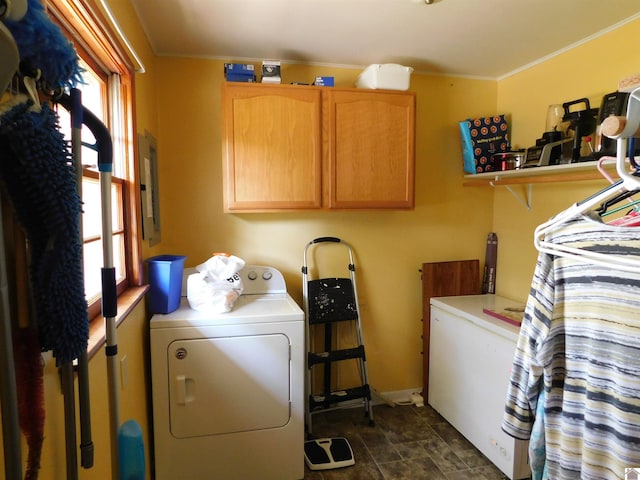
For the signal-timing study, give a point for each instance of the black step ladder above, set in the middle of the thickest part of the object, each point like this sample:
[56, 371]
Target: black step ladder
[329, 301]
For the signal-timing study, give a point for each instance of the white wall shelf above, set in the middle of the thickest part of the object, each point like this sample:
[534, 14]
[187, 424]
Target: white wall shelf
[571, 172]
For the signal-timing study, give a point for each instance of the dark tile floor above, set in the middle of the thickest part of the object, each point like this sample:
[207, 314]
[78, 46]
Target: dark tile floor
[405, 443]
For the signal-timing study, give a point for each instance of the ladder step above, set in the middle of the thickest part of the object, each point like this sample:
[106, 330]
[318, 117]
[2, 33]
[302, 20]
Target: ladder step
[331, 300]
[325, 401]
[335, 355]
[322, 321]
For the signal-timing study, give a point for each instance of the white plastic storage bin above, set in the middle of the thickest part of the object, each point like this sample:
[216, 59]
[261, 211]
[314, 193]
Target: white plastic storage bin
[388, 76]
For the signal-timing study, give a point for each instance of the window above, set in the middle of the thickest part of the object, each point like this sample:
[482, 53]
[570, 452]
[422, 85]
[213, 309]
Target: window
[107, 93]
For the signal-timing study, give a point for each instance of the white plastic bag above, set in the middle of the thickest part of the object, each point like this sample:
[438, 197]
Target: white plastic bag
[217, 285]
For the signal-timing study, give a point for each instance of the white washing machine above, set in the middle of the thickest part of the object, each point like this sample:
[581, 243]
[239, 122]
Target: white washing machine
[228, 389]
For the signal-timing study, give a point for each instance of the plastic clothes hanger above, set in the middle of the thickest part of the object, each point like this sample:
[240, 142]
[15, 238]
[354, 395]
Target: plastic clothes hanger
[631, 219]
[621, 129]
[31, 87]
[603, 209]
[625, 195]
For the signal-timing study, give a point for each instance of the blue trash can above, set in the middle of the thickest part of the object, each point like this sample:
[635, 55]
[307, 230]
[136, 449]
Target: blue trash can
[165, 281]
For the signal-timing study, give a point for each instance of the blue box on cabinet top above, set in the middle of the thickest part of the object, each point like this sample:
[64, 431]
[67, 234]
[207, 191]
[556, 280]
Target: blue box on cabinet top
[324, 81]
[239, 72]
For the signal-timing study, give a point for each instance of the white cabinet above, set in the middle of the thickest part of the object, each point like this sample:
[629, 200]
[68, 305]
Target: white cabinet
[470, 358]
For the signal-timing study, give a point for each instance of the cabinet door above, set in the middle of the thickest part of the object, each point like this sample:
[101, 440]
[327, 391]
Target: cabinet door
[272, 150]
[371, 143]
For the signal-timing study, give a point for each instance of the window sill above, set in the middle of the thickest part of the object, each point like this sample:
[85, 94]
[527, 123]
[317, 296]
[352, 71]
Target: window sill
[126, 302]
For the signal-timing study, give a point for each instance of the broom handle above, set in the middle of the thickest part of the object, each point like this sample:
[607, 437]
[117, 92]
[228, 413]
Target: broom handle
[109, 293]
[86, 441]
[8, 389]
[66, 370]
[69, 407]
[22, 277]
[109, 311]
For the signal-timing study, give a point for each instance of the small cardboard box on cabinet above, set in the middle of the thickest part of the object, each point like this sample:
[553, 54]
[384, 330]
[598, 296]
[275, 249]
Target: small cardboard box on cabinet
[271, 71]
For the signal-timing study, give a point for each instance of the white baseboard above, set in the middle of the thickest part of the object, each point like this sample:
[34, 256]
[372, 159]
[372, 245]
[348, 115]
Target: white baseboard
[393, 397]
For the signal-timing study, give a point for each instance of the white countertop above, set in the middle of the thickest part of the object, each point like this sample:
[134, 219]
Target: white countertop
[470, 307]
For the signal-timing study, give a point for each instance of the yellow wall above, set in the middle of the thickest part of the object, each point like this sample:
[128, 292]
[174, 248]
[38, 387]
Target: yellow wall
[448, 223]
[591, 70]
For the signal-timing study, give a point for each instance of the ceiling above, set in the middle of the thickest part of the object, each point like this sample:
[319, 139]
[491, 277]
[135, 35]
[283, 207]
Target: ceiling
[480, 38]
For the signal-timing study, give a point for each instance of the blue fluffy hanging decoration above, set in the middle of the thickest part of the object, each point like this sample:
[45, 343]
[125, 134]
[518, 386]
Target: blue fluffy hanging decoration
[36, 168]
[43, 47]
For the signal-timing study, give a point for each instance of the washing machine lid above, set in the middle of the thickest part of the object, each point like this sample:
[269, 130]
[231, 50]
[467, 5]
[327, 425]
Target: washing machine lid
[274, 307]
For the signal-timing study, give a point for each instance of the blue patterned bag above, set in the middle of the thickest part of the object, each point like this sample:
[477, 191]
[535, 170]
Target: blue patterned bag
[481, 138]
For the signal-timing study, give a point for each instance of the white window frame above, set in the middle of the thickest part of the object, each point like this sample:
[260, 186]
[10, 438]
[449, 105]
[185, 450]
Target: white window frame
[94, 42]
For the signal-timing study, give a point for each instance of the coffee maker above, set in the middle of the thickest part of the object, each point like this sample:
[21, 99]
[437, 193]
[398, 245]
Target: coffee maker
[614, 103]
[583, 122]
[548, 149]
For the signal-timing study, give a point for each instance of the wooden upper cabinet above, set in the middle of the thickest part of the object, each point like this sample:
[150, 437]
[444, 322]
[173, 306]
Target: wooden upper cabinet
[272, 147]
[371, 149]
[299, 147]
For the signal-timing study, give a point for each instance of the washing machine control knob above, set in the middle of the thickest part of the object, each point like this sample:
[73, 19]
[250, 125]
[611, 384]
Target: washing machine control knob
[252, 275]
[266, 275]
